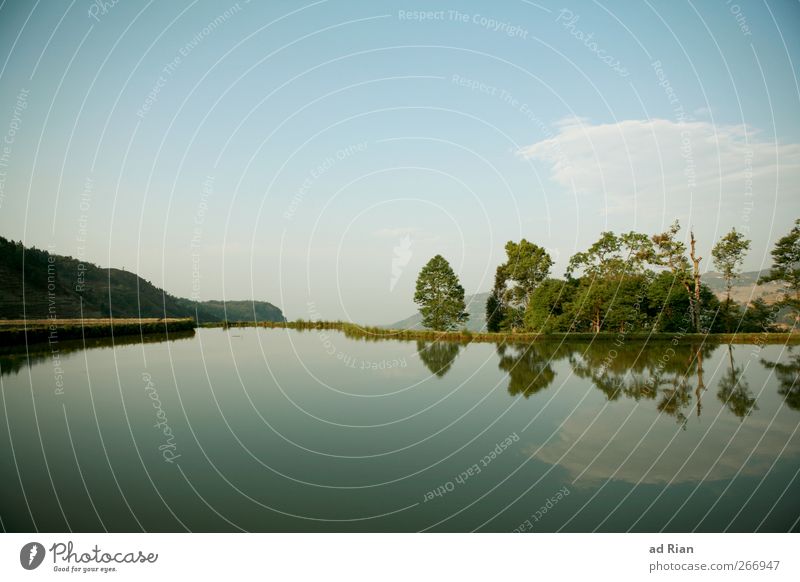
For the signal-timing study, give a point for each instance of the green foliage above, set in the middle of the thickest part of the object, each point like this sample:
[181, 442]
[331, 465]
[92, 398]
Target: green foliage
[82, 289]
[786, 267]
[371, 333]
[547, 310]
[614, 256]
[494, 312]
[710, 307]
[245, 310]
[440, 296]
[728, 255]
[668, 304]
[669, 252]
[611, 304]
[526, 266]
[612, 291]
[757, 316]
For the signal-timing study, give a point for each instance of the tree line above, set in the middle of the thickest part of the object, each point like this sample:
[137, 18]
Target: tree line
[623, 282]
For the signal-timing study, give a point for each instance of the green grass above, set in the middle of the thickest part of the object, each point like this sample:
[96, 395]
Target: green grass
[368, 333]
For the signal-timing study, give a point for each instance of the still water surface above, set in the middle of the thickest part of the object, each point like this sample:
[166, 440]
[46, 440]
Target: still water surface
[277, 430]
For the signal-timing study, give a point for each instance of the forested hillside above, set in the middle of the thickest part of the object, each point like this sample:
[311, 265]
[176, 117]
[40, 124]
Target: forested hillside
[63, 287]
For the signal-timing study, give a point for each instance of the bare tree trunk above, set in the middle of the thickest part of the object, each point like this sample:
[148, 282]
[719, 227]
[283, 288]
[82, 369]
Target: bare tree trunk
[696, 271]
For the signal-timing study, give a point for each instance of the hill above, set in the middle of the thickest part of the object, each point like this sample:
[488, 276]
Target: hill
[744, 289]
[56, 285]
[476, 307]
[244, 310]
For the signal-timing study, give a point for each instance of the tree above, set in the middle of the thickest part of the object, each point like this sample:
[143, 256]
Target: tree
[494, 312]
[696, 277]
[786, 267]
[728, 255]
[440, 296]
[546, 311]
[614, 256]
[669, 252]
[496, 309]
[613, 269]
[526, 266]
[669, 304]
[757, 317]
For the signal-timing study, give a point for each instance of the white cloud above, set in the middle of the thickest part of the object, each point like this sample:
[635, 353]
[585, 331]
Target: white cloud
[674, 169]
[594, 452]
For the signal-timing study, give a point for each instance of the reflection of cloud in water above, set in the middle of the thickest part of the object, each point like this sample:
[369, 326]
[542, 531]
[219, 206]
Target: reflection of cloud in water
[580, 461]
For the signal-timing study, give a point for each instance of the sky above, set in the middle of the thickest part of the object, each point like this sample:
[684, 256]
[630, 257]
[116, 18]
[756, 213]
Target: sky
[317, 154]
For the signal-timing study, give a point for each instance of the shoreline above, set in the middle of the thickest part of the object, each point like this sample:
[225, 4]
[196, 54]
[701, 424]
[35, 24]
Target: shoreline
[19, 332]
[371, 333]
[43, 331]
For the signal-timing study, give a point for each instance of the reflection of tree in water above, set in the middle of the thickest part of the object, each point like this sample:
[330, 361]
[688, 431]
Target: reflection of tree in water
[438, 356]
[788, 376]
[13, 363]
[674, 400]
[652, 370]
[14, 359]
[529, 366]
[734, 391]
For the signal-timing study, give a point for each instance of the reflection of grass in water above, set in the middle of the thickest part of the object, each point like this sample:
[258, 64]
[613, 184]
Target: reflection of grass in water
[13, 359]
[21, 333]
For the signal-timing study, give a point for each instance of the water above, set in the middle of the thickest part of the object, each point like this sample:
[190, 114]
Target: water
[276, 430]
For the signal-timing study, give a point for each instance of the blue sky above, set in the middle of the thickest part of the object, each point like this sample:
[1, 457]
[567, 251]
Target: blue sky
[317, 154]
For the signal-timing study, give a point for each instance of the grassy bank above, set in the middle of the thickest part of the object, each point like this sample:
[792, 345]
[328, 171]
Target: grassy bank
[354, 331]
[21, 332]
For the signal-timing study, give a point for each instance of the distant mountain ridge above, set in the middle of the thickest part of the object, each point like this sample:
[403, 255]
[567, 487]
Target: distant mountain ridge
[745, 289]
[56, 285]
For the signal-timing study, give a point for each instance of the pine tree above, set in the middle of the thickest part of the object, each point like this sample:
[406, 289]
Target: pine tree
[786, 267]
[440, 296]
